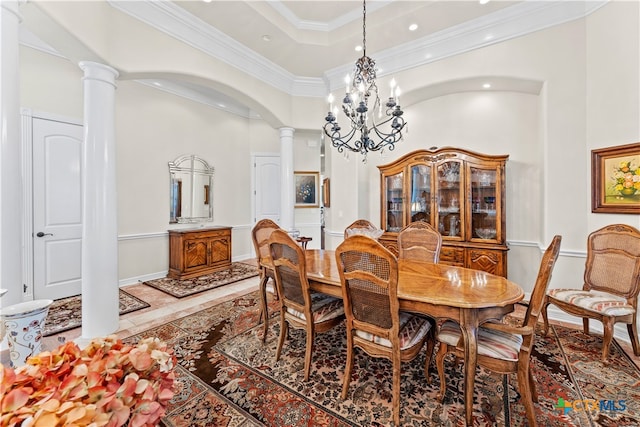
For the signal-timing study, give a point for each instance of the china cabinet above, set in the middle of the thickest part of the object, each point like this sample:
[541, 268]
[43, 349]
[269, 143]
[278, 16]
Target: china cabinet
[460, 192]
[198, 251]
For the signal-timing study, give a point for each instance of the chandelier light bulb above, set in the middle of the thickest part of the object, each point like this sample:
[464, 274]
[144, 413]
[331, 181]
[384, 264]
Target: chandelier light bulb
[347, 81]
[392, 84]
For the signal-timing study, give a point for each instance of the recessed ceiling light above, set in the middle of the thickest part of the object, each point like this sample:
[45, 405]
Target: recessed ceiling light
[428, 56]
[486, 85]
[413, 27]
[481, 1]
[266, 38]
[222, 105]
[207, 1]
[488, 37]
[358, 48]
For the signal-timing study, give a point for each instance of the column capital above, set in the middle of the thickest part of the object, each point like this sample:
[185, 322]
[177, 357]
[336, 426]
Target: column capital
[286, 132]
[97, 71]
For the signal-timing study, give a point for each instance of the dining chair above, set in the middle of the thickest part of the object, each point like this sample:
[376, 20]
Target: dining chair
[260, 235]
[299, 307]
[375, 324]
[359, 226]
[502, 347]
[611, 285]
[419, 241]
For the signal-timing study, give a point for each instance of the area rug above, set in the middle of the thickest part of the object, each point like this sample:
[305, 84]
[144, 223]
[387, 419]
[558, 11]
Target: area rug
[227, 377]
[182, 288]
[66, 313]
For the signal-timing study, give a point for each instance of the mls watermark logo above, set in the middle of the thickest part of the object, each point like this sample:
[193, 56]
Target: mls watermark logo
[590, 405]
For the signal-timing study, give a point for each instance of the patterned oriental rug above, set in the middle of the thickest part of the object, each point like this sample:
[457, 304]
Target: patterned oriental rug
[182, 288]
[227, 377]
[66, 313]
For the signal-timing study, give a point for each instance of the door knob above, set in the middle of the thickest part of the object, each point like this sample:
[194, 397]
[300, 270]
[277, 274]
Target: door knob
[41, 234]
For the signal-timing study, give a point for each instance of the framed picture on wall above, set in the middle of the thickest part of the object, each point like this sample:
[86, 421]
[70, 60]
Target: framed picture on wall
[615, 179]
[326, 193]
[307, 188]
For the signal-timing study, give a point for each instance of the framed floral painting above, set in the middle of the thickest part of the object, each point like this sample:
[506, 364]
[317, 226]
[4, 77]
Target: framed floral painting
[307, 187]
[615, 179]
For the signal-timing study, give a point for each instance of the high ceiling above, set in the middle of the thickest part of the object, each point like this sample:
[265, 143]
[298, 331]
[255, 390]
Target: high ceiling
[308, 37]
[305, 47]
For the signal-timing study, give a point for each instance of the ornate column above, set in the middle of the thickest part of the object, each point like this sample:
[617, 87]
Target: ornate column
[11, 212]
[100, 294]
[287, 200]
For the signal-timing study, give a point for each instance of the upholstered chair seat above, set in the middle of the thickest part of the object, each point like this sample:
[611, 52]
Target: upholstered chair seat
[596, 301]
[492, 343]
[323, 308]
[413, 329]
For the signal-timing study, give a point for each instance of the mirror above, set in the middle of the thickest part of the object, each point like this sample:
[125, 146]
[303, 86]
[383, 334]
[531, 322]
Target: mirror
[191, 192]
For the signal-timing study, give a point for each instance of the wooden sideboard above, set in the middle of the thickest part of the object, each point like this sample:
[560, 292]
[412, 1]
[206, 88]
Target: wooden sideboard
[199, 251]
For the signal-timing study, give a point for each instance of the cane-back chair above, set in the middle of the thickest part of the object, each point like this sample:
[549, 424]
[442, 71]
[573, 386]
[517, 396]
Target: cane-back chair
[299, 307]
[611, 285]
[260, 235]
[419, 241]
[505, 348]
[375, 324]
[360, 226]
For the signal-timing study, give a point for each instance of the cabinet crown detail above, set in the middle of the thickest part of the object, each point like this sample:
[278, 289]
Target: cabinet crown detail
[459, 192]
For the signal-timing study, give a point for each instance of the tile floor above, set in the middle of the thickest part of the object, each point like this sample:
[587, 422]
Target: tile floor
[165, 307]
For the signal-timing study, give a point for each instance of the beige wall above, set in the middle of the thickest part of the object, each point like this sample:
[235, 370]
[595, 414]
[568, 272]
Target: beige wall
[589, 98]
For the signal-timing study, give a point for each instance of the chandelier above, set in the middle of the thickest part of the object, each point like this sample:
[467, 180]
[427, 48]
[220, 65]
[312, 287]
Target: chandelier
[365, 134]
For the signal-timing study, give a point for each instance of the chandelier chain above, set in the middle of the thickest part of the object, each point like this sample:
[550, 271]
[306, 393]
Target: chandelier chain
[364, 27]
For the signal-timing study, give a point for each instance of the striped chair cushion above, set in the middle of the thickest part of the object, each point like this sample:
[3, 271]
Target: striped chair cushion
[496, 344]
[323, 307]
[412, 330]
[596, 301]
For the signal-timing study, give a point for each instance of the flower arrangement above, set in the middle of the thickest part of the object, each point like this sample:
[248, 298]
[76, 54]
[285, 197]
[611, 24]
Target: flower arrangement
[626, 178]
[108, 383]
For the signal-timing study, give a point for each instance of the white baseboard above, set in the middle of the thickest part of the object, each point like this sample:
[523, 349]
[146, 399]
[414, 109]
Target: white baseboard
[139, 279]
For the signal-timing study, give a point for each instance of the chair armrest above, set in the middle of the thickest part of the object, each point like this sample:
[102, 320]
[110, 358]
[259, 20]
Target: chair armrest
[519, 330]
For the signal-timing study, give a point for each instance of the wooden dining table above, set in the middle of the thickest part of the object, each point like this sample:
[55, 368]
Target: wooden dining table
[469, 297]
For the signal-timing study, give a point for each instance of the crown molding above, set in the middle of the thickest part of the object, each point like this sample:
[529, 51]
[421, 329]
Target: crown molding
[302, 24]
[511, 22]
[505, 24]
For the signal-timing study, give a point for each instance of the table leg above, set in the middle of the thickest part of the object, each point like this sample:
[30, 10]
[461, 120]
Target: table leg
[469, 328]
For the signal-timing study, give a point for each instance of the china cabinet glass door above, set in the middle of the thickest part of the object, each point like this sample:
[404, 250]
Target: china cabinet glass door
[485, 221]
[394, 202]
[449, 199]
[420, 209]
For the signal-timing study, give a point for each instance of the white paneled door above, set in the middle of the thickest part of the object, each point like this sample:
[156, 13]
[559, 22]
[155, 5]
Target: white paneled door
[267, 188]
[57, 208]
